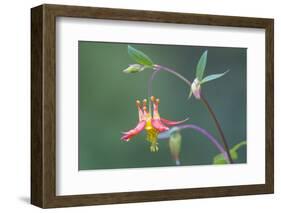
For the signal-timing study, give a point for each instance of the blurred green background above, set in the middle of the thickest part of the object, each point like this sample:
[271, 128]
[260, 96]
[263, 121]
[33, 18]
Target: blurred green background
[107, 103]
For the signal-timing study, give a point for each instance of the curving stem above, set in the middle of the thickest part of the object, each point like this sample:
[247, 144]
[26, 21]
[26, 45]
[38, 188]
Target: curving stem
[203, 132]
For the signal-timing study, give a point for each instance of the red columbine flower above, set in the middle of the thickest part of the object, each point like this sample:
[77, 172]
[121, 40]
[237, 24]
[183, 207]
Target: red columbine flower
[152, 123]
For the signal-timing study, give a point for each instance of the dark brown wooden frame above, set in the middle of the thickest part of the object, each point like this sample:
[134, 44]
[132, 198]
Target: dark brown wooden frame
[43, 105]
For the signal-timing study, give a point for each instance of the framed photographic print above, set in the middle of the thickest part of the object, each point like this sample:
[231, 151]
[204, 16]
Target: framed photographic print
[136, 106]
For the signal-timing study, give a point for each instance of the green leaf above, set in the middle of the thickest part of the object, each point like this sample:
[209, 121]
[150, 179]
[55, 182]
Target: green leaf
[219, 159]
[201, 66]
[237, 146]
[213, 77]
[190, 93]
[139, 57]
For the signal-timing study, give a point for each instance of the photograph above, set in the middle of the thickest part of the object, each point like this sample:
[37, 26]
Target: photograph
[169, 105]
[160, 105]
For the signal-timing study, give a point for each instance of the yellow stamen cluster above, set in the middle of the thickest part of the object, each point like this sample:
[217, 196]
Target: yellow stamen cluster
[151, 136]
[152, 133]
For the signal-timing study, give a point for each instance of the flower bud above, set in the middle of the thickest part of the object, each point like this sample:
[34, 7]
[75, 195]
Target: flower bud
[196, 88]
[134, 68]
[175, 146]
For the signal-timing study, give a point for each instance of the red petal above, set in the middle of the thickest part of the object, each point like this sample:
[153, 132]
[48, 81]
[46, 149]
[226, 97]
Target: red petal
[128, 135]
[172, 123]
[156, 123]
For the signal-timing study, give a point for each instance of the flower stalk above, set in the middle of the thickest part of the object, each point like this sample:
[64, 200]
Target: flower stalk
[217, 126]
